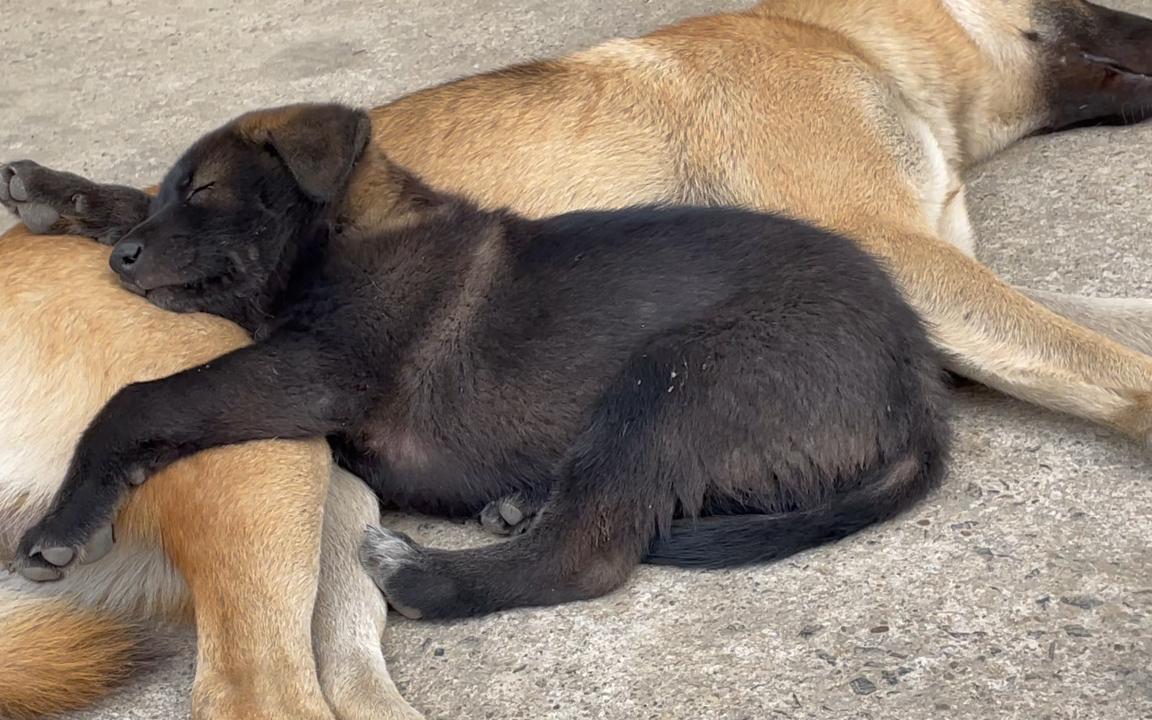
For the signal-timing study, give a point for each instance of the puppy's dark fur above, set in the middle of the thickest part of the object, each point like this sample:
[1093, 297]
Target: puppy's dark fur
[759, 379]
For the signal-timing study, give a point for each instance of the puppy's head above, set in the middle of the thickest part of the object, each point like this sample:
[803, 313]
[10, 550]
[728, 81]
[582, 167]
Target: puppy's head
[229, 213]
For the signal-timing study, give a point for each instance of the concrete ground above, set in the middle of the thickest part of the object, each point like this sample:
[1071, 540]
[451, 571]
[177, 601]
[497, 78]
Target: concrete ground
[1022, 590]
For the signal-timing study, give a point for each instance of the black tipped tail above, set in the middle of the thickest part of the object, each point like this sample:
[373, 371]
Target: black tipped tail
[724, 541]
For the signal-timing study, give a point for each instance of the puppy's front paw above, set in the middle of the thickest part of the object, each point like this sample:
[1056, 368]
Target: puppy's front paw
[40, 197]
[42, 558]
[54, 202]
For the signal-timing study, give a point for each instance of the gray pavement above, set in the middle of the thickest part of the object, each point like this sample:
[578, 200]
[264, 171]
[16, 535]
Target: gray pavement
[1022, 590]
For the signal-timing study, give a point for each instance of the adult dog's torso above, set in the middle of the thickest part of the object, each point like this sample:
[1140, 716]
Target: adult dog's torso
[857, 116]
[742, 108]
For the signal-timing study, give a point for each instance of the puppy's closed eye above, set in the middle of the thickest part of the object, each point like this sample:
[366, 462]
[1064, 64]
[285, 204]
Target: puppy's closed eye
[199, 189]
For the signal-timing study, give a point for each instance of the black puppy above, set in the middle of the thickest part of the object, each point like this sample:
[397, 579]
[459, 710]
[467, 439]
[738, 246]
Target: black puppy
[761, 380]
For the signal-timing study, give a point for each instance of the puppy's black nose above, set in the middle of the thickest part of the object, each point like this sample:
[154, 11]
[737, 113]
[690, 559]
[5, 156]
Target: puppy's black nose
[124, 258]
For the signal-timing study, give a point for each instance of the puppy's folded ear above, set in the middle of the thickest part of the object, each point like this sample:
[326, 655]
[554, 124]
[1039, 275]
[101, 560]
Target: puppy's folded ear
[320, 144]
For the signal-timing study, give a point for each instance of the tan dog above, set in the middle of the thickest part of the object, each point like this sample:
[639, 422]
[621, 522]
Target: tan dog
[859, 115]
[233, 536]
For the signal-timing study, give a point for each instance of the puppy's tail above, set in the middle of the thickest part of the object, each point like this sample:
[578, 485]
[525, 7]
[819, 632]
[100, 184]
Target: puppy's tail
[56, 656]
[722, 541]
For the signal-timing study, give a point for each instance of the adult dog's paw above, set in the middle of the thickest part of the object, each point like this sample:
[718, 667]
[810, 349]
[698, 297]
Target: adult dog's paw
[43, 558]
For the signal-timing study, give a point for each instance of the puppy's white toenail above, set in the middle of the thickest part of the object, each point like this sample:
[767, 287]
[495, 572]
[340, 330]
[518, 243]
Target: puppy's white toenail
[58, 556]
[38, 574]
[17, 190]
[100, 545]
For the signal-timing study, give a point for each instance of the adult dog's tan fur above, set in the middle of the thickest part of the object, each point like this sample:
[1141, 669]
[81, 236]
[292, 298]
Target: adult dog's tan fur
[860, 115]
[232, 536]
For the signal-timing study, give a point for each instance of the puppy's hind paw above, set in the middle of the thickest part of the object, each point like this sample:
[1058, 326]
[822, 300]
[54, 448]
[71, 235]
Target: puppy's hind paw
[420, 582]
[384, 554]
[510, 515]
[383, 551]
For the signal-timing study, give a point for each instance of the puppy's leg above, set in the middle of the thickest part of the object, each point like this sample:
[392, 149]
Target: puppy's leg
[581, 547]
[248, 546]
[616, 490]
[351, 613]
[284, 390]
[51, 202]
[988, 331]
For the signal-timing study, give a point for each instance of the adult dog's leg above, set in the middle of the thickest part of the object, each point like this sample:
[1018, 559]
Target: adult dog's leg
[351, 613]
[247, 546]
[1128, 321]
[51, 202]
[990, 332]
[243, 526]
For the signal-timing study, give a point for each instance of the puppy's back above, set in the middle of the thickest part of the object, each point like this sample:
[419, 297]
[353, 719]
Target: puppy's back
[666, 266]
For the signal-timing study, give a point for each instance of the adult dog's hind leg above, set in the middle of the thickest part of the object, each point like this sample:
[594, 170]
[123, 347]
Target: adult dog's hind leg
[351, 613]
[242, 524]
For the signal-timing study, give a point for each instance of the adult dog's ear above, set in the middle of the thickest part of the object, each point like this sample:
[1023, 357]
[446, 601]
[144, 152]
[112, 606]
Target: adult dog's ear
[320, 144]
